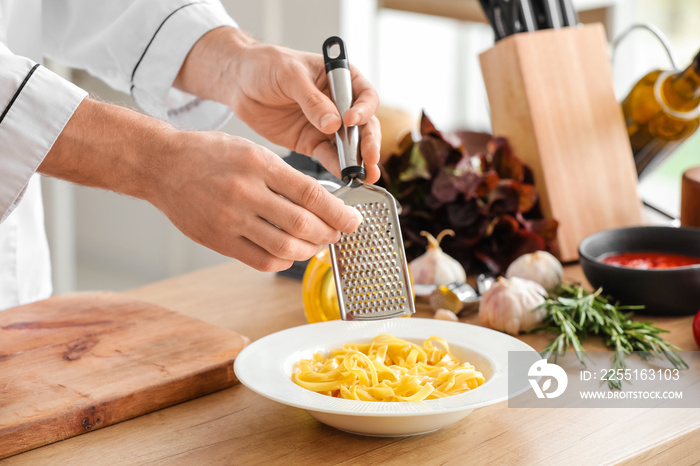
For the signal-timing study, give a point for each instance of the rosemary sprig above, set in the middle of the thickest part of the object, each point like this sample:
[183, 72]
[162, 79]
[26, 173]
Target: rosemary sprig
[574, 313]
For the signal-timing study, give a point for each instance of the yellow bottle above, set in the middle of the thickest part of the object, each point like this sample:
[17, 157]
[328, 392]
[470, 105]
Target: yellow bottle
[661, 111]
[318, 290]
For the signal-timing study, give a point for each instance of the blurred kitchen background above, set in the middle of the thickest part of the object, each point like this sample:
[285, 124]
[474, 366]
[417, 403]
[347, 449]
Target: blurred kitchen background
[420, 55]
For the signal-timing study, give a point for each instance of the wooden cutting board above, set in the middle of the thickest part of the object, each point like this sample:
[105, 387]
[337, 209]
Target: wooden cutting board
[78, 362]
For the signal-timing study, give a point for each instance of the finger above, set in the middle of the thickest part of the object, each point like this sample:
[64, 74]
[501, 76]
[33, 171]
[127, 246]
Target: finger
[314, 143]
[370, 141]
[255, 256]
[327, 154]
[299, 222]
[315, 105]
[366, 100]
[278, 242]
[372, 173]
[304, 191]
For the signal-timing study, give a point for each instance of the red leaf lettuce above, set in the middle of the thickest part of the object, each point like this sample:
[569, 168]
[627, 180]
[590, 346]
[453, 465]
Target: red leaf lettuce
[488, 199]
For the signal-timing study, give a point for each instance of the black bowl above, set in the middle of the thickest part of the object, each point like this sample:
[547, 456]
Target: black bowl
[663, 292]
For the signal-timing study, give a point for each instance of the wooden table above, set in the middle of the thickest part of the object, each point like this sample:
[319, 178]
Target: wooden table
[237, 426]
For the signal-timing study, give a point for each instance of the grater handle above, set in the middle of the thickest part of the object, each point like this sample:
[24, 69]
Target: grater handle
[347, 138]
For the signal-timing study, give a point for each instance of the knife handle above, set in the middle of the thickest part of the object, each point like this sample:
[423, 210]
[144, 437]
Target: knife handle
[347, 138]
[529, 22]
[568, 12]
[553, 11]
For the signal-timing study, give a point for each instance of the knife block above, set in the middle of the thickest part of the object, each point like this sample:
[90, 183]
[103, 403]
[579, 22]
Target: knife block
[551, 95]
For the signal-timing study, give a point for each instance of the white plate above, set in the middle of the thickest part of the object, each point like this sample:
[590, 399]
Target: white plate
[266, 366]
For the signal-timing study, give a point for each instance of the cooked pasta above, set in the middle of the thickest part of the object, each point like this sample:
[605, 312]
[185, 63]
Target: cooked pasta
[388, 369]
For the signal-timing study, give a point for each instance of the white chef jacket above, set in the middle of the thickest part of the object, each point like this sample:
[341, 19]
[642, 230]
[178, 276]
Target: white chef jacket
[136, 46]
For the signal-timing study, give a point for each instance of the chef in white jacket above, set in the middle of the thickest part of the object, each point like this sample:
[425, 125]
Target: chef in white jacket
[187, 64]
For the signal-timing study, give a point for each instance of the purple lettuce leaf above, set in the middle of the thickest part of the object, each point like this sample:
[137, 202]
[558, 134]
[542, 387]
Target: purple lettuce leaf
[488, 199]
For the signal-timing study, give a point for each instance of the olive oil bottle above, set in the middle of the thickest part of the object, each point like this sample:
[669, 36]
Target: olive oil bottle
[318, 290]
[661, 111]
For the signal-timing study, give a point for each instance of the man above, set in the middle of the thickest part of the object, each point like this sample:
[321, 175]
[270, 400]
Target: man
[188, 64]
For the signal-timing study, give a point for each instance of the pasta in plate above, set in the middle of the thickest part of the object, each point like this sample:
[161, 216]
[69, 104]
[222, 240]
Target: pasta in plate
[388, 369]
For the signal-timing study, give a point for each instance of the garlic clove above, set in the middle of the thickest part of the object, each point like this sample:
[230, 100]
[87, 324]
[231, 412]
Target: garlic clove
[539, 266]
[446, 314]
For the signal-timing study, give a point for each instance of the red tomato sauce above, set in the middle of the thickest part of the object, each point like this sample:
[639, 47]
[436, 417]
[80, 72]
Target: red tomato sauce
[650, 260]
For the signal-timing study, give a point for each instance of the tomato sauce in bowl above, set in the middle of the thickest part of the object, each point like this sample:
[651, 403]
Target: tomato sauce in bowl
[649, 260]
[670, 287]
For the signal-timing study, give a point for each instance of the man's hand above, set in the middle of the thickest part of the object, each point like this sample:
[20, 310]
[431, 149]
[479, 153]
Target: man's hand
[224, 192]
[282, 94]
[244, 201]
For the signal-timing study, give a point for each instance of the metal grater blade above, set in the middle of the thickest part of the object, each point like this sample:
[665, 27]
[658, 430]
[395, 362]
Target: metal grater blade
[369, 266]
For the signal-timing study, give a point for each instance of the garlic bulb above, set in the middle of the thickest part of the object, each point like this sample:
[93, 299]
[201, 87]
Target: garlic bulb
[435, 267]
[509, 305]
[539, 266]
[446, 314]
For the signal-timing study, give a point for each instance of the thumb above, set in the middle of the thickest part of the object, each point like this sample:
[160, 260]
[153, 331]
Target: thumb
[317, 107]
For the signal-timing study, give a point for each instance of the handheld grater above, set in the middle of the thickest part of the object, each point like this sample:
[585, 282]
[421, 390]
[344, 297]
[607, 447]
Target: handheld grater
[369, 266]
